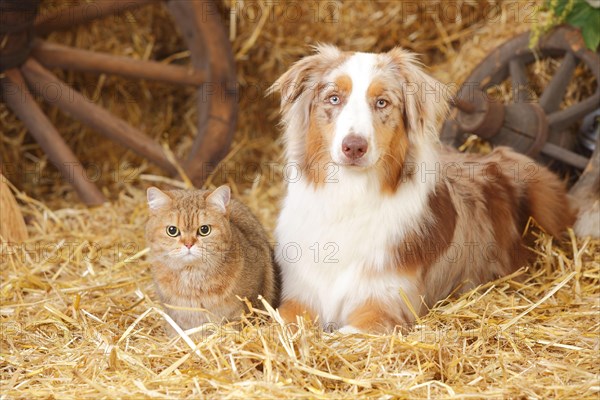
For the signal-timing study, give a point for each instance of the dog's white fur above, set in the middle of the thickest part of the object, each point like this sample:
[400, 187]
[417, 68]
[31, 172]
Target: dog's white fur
[337, 233]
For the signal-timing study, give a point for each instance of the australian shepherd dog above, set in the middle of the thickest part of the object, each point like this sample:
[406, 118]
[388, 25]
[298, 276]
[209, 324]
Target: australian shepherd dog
[381, 221]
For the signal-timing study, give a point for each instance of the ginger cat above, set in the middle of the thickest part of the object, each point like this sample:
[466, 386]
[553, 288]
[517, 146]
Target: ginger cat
[206, 249]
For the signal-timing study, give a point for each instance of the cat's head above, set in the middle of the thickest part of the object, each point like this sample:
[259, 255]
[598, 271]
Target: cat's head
[188, 227]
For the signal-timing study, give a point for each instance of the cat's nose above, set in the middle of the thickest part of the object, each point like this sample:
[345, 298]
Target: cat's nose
[189, 244]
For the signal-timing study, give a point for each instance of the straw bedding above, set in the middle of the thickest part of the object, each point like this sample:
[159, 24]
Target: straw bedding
[79, 315]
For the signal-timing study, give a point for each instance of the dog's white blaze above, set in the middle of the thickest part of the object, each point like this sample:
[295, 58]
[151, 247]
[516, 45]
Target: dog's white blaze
[356, 116]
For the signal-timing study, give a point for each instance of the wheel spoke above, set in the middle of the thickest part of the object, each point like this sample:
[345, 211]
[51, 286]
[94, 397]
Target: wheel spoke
[69, 17]
[588, 183]
[55, 55]
[17, 97]
[74, 103]
[518, 78]
[560, 120]
[451, 132]
[564, 155]
[555, 91]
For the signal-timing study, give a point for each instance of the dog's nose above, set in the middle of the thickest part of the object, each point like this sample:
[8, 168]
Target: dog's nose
[354, 146]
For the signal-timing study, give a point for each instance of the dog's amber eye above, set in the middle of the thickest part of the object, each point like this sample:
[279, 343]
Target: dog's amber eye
[382, 103]
[172, 231]
[204, 230]
[334, 99]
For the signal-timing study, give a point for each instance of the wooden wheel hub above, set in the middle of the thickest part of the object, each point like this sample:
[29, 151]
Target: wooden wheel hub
[16, 29]
[539, 127]
[497, 122]
[482, 117]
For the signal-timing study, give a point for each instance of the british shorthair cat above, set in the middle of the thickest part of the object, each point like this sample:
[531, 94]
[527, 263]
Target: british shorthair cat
[206, 249]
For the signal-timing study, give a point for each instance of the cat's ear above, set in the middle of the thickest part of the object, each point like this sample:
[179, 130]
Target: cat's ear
[157, 199]
[220, 198]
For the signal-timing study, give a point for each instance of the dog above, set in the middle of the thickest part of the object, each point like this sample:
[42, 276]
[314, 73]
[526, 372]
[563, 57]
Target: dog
[381, 221]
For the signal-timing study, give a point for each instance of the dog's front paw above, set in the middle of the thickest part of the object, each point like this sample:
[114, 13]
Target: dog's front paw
[349, 330]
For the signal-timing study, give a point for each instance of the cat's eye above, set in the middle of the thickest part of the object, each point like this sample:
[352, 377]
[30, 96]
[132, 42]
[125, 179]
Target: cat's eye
[172, 231]
[204, 230]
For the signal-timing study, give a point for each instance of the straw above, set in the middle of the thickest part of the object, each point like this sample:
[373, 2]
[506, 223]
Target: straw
[80, 317]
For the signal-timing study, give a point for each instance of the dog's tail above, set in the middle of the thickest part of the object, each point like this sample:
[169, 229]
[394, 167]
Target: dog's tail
[543, 196]
[548, 202]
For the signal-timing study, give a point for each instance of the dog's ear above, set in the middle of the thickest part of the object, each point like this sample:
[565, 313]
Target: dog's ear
[424, 97]
[299, 84]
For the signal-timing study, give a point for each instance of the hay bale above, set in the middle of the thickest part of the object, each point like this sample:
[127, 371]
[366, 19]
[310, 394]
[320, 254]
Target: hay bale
[79, 314]
[12, 224]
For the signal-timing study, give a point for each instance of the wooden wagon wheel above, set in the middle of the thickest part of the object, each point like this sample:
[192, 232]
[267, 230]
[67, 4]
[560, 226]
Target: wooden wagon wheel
[536, 127]
[25, 58]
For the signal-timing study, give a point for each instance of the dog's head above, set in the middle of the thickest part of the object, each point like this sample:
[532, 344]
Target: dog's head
[358, 110]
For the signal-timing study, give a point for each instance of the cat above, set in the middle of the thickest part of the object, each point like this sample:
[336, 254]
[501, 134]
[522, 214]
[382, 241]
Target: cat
[205, 249]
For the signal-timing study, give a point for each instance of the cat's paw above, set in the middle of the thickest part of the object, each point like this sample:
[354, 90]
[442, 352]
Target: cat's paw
[349, 330]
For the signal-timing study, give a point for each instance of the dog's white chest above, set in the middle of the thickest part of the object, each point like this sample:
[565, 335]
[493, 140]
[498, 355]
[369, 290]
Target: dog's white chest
[333, 245]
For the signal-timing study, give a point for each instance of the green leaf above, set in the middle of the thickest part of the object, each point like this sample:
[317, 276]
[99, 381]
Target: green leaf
[587, 18]
[591, 37]
[560, 6]
[583, 14]
[580, 14]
